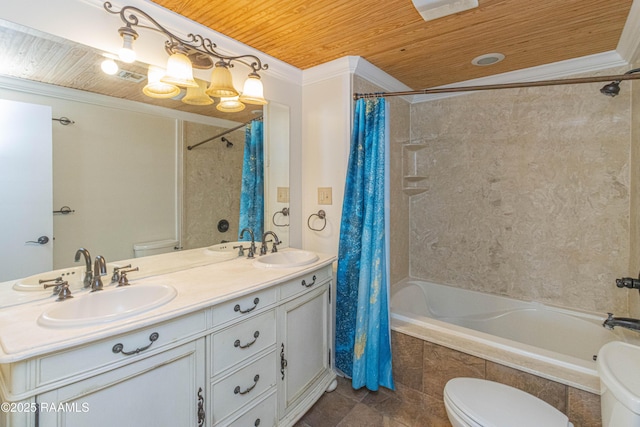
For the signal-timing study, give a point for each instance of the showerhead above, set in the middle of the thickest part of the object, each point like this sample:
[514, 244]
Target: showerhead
[229, 143]
[611, 89]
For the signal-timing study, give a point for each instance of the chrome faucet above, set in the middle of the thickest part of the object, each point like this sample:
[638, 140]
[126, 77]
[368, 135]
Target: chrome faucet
[100, 268]
[252, 249]
[625, 322]
[274, 248]
[88, 276]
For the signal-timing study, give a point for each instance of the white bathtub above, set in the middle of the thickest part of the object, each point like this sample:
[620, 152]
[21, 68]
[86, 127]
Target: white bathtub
[547, 341]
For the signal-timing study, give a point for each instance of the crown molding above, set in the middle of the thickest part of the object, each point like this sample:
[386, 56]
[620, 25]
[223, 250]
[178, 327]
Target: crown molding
[629, 43]
[349, 65]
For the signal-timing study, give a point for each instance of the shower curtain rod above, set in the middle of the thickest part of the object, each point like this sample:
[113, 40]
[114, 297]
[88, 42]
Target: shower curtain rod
[593, 79]
[191, 147]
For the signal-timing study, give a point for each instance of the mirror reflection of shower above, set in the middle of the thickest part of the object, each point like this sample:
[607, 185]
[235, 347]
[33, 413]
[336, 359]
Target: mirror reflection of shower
[613, 89]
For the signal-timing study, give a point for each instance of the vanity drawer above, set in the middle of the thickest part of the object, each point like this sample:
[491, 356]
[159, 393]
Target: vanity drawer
[303, 283]
[97, 356]
[243, 386]
[263, 414]
[243, 307]
[241, 341]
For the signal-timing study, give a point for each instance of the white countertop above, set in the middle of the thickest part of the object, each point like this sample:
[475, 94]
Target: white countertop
[200, 279]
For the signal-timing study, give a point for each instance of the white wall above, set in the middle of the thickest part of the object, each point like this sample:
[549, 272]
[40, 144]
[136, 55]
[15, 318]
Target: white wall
[325, 152]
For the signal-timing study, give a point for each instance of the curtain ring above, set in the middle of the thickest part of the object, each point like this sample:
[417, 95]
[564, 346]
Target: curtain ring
[322, 215]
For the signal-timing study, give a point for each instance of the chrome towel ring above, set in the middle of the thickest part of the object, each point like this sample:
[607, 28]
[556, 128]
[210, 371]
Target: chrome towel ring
[322, 215]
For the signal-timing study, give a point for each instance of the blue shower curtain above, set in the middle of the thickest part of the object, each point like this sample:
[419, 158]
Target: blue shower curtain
[363, 338]
[252, 193]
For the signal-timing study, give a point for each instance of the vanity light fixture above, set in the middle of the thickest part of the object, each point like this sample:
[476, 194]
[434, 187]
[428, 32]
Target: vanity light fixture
[197, 96]
[230, 105]
[194, 51]
[109, 66]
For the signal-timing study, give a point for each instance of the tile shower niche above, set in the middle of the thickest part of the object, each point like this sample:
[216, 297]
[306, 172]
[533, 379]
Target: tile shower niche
[414, 178]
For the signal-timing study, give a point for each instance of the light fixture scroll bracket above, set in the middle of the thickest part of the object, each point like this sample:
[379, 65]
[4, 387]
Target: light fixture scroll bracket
[200, 50]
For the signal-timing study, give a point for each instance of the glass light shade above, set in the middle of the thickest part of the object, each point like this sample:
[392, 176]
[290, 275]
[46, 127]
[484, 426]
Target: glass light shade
[252, 92]
[221, 82]
[157, 89]
[126, 53]
[179, 71]
[230, 105]
[109, 66]
[196, 95]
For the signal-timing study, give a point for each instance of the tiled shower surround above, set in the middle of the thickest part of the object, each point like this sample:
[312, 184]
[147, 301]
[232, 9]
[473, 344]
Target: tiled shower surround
[530, 194]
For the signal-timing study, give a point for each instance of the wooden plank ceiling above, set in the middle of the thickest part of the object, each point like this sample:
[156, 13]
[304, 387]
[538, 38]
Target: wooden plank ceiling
[393, 36]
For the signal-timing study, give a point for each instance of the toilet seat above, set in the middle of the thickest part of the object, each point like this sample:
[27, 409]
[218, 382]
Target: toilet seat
[483, 403]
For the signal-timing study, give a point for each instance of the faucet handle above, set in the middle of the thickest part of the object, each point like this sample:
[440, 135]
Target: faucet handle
[124, 280]
[116, 273]
[61, 289]
[240, 250]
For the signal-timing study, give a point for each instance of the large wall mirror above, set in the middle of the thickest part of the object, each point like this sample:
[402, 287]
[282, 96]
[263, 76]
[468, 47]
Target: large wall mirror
[123, 167]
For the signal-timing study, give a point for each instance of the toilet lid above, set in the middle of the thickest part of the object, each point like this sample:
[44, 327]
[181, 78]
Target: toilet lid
[492, 404]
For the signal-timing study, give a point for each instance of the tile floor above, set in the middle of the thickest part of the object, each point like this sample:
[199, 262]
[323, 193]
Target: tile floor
[346, 407]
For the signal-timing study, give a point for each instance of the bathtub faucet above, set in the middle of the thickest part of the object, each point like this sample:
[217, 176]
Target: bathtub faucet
[625, 322]
[628, 282]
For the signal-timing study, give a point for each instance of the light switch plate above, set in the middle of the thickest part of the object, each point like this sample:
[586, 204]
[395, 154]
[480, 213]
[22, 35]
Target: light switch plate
[283, 195]
[324, 196]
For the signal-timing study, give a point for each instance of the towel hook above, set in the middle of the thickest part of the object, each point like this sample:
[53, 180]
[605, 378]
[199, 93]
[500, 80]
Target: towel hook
[284, 212]
[322, 215]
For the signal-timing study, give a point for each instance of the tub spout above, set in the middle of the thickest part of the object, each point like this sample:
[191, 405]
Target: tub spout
[624, 322]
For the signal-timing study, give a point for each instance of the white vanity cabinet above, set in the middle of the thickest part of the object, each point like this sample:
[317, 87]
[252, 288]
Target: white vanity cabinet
[261, 359]
[162, 390]
[304, 333]
[272, 363]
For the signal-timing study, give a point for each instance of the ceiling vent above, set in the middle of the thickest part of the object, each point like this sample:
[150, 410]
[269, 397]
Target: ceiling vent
[434, 9]
[130, 76]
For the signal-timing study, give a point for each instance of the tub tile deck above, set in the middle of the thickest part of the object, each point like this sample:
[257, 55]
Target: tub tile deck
[421, 369]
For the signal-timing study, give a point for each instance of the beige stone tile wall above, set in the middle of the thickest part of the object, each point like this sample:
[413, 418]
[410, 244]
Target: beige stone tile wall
[528, 194]
[421, 370]
[212, 184]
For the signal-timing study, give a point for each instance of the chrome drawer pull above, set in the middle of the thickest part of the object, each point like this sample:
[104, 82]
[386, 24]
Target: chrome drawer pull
[119, 348]
[304, 283]
[256, 334]
[255, 304]
[255, 382]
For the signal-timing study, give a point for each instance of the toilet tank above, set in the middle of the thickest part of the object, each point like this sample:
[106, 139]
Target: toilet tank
[619, 374]
[154, 248]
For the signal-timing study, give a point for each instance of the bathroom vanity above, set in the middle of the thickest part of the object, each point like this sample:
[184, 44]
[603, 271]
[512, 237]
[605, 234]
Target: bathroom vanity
[237, 345]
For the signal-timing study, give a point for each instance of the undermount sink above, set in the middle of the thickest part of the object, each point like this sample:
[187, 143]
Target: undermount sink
[286, 259]
[73, 275]
[107, 305]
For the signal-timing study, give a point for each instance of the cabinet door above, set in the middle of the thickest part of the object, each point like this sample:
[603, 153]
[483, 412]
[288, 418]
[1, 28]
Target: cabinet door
[161, 390]
[303, 347]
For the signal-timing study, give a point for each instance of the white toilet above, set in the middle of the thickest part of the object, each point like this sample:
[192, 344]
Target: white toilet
[154, 248]
[472, 402]
[619, 371]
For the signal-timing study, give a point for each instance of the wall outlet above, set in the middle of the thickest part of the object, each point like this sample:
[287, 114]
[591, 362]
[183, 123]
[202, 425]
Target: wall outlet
[283, 195]
[324, 196]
